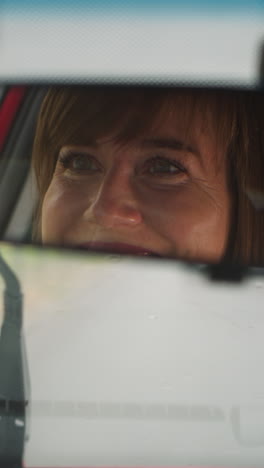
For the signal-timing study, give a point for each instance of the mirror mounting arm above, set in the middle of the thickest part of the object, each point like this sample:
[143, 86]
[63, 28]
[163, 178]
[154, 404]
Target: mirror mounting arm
[226, 272]
[14, 380]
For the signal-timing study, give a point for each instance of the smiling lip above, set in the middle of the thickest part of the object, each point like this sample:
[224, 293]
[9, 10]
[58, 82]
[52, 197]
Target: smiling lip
[119, 248]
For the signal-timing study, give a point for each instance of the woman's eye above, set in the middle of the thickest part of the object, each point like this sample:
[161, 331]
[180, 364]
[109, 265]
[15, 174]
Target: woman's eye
[78, 162]
[163, 166]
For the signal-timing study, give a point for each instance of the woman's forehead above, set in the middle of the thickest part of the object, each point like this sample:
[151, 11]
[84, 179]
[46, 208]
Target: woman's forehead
[82, 117]
[171, 132]
[178, 124]
[177, 117]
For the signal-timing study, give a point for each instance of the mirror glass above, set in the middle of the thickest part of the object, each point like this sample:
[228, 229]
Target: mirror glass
[174, 172]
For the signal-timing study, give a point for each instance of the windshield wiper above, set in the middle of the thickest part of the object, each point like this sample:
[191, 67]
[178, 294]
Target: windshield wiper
[14, 376]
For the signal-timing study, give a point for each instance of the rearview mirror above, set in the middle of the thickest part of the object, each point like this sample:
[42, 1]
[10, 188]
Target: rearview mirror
[172, 172]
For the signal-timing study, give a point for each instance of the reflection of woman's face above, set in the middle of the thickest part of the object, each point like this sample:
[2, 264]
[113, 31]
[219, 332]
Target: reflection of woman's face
[163, 193]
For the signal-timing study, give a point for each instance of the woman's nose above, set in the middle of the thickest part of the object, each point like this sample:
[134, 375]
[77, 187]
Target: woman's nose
[115, 203]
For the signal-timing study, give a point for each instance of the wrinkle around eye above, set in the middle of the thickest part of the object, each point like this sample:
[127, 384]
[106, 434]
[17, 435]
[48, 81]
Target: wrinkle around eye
[162, 168]
[210, 191]
[175, 182]
[86, 166]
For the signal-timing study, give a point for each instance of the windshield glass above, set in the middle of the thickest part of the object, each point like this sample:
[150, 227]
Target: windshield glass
[131, 142]
[139, 364]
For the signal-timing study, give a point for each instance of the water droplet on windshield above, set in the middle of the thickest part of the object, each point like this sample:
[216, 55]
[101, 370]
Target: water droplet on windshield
[153, 316]
[114, 257]
[19, 423]
[167, 387]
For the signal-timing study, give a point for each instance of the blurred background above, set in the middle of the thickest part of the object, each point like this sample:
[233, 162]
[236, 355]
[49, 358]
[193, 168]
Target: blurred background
[208, 41]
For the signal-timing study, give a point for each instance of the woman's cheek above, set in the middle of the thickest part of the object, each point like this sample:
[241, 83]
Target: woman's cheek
[194, 223]
[63, 207]
[56, 213]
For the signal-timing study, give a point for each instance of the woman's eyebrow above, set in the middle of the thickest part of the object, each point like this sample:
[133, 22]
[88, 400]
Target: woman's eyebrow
[169, 143]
